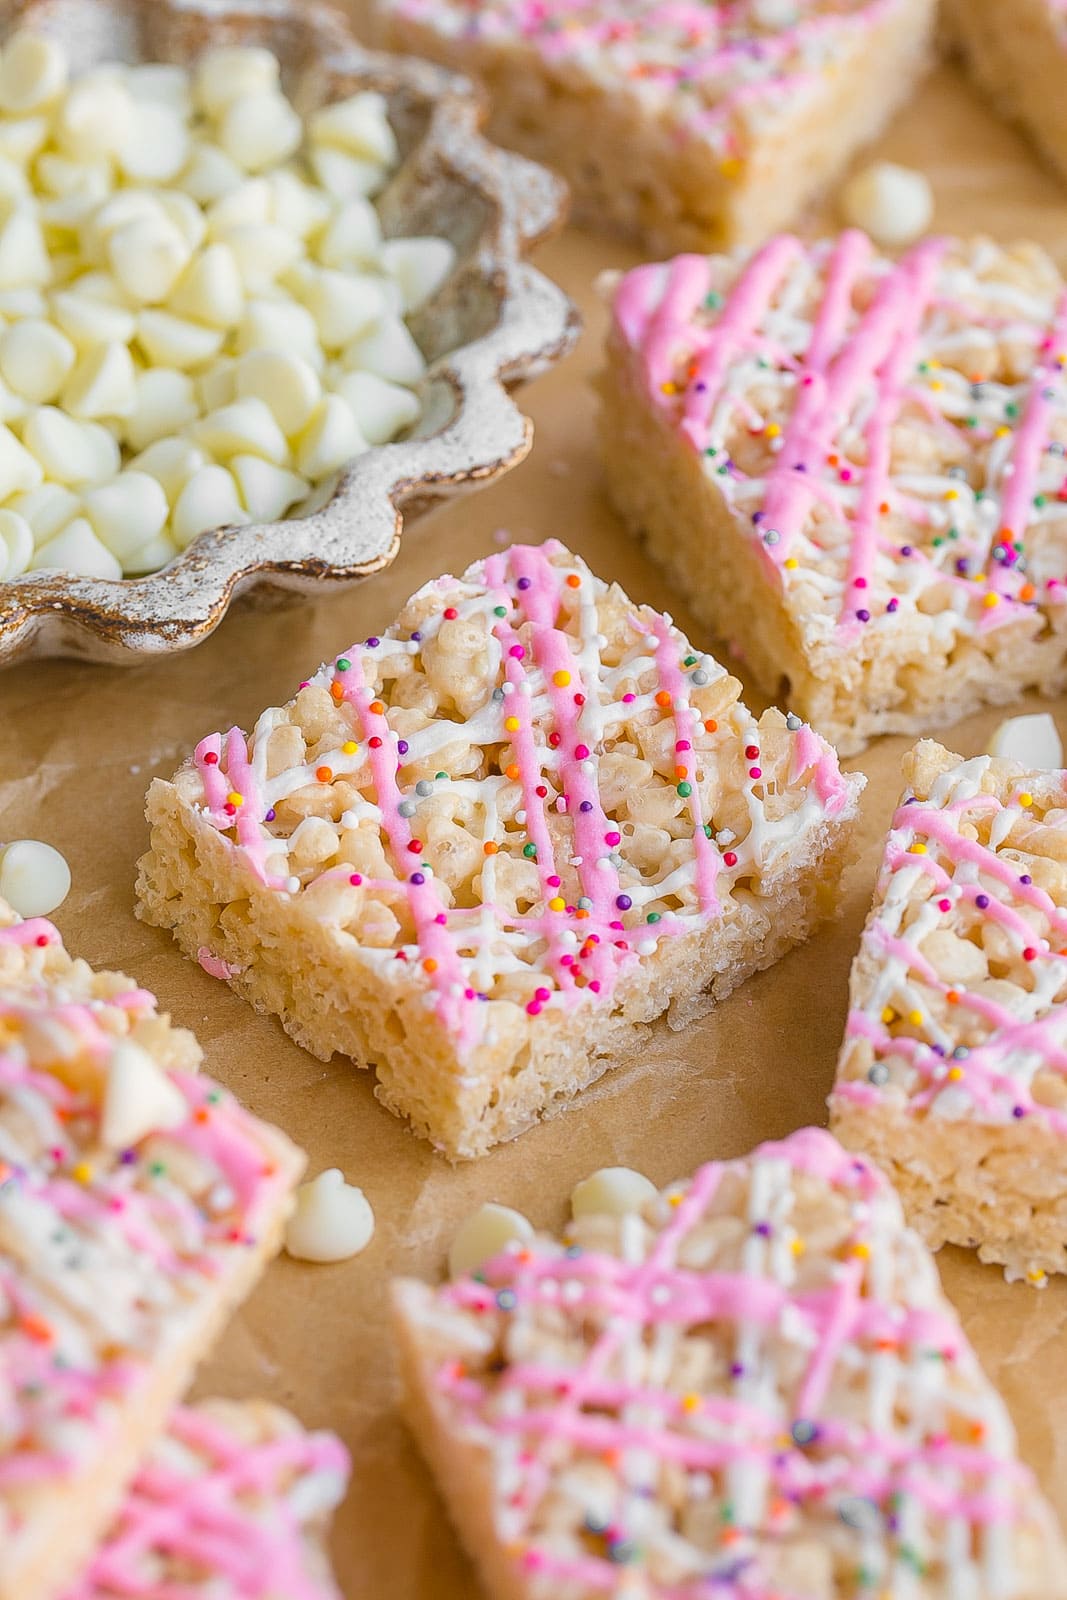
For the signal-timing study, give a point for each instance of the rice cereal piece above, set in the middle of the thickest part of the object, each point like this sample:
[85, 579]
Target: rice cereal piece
[953, 1073]
[232, 1503]
[1018, 54]
[138, 1205]
[754, 1387]
[686, 126]
[481, 851]
[855, 468]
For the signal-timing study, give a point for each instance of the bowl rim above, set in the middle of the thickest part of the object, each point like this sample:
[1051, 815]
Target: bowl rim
[357, 531]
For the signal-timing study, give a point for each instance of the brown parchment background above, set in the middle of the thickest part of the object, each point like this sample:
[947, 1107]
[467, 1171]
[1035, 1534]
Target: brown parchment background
[79, 744]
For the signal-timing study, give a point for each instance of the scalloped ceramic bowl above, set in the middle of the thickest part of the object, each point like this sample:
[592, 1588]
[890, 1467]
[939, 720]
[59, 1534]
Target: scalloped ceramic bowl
[495, 322]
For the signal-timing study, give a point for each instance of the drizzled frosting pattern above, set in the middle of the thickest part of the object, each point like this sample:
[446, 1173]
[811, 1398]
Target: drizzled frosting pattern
[892, 436]
[518, 791]
[109, 1255]
[720, 72]
[959, 995]
[230, 1505]
[754, 1388]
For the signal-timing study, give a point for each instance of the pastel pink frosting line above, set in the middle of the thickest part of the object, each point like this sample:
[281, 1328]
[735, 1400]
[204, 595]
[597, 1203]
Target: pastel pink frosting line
[232, 1522]
[590, 1400]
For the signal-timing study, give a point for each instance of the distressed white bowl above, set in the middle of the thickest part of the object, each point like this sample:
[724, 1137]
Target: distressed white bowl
[494, 323]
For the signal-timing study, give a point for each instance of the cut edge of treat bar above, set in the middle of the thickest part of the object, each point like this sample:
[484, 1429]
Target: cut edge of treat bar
[633, 174]
[991, 1186]
[1017, 61]
[300, 1510]
[430, 1333]
[62, 1522]
[850, 695]
[194, 882]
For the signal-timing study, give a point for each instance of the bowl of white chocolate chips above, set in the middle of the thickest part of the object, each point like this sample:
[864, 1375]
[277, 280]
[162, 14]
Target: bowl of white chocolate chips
[262, 293]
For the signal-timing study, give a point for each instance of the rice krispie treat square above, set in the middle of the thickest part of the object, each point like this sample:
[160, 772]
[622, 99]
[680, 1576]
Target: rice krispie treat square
[1017, 54]
[953, 1073]
[138, 1205]
[687, 126]
[481, 851]
[232, 1503]
[753, 1387]
[855, 468]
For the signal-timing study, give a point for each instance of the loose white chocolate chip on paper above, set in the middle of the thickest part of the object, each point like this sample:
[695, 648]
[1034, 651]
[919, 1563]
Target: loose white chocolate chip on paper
[1034, 741]
[332, 1220]
[894, 204]
[193, 288]
[613, 1191]
[483, 1235]
[34, 877]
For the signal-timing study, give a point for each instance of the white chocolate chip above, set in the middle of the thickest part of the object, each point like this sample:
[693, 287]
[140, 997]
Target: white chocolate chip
[382, 409]
[332, 1220]
[345, 177]
[389, 350]
[280, 325]
[147, 257]
[260, 130]
[35, 358]
[70, 451]
[24, 256]
[89, 319]
[33, 73]
[127, 512]
[34, 878]
[171, 462]
[139, 1098]
[161, 84]
[210, 289]
[420, 267]
[267, 491]
[331, 439]
[77, 549]
[217, 387]
[186, 216]
[170, 341]
[353, 236]
[360, 126]
[103, 384]
[485, 1234]
[46, 509]
[613, 1191]
[210, 174]
[150, 557]
[244, 428]
[18, 468]
[96, 117]
[893, 204]
[249, 205]
[345, 305]
[166, 402]
[285, 383]
[156, 146]
[16, 544]
[262, 252]
[209, 500]
[1033, 741]
[228, 71]
[21, 138]
[296, 205]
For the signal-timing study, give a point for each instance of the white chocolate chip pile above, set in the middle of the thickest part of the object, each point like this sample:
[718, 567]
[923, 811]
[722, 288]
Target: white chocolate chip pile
[34, 877]
[200, 321]
[332, 1220]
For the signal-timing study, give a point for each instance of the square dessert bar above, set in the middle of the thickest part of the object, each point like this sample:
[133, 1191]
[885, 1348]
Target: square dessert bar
[138, 1205]
[481, 851]
[686, 125]
[855, 467]
[1018, 54]
[953, 1074]
[753, 1388]
[232, 1503]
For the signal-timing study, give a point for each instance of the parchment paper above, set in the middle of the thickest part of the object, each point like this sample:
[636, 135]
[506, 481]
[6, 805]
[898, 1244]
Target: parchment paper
[78, 745]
